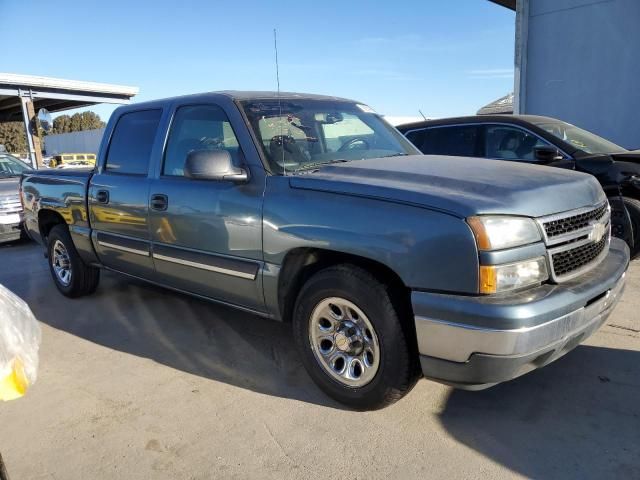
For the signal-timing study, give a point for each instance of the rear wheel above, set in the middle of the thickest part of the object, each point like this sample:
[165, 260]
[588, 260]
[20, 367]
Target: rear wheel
[352, 339]
[72, 277]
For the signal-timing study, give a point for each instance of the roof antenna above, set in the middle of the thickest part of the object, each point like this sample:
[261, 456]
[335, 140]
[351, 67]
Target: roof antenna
[422, 114]
[275, 47]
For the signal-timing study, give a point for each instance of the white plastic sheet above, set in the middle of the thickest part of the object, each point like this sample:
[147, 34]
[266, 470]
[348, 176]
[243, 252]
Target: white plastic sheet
[19, 343]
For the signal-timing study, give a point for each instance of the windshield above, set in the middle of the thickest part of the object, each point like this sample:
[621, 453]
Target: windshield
[297, 135]
[11, 166]
[579, 138]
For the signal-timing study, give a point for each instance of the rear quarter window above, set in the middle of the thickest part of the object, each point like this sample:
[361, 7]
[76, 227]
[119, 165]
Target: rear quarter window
[132, 141]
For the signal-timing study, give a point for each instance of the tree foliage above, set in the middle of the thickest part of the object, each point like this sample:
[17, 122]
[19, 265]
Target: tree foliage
[77, 122]
[13, 137]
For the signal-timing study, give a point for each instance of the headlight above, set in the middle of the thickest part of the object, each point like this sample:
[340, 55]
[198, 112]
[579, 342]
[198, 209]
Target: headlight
[495, 232]
[502, 278]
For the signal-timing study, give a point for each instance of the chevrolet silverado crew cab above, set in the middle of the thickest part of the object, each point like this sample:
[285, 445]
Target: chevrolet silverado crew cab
[312, 210]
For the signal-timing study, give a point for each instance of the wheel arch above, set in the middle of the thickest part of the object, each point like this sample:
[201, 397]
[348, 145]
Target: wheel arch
[47, 219]
[301, 263]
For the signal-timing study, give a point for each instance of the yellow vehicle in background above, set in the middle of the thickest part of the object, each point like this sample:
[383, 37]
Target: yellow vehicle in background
[57, 160]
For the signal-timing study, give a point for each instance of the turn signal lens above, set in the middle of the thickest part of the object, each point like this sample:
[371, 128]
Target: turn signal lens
[488, 276]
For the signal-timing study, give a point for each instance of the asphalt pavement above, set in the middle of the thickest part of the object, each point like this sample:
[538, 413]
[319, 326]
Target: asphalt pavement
[138, 382]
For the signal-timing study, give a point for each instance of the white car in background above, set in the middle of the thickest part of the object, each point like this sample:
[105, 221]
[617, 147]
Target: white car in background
[10, 206]
[76, 164]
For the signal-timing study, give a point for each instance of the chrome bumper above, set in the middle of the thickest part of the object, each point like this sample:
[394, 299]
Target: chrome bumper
[455, 342]
[475, 342]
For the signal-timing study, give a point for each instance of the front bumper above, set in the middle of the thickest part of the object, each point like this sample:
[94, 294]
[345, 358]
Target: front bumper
[476, 342]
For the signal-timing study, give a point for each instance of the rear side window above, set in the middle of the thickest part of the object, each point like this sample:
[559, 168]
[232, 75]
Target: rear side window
[461, 140]
[132, 141]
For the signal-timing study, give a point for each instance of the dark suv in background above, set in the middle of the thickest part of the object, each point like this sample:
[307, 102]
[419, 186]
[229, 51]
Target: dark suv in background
[544, 141]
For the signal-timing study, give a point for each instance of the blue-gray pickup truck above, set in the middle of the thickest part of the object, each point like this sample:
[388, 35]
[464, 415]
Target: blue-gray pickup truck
[313, 210]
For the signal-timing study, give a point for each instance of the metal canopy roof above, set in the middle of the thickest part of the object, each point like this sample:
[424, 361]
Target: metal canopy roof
[55, 94]
[511, 4]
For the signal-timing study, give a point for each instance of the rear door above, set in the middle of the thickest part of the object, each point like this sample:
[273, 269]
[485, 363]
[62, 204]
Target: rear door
[207, 234]
[458, 140]
[119, 191]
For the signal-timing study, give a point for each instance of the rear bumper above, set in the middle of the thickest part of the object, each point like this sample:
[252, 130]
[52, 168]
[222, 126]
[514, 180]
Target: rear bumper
[475, 342]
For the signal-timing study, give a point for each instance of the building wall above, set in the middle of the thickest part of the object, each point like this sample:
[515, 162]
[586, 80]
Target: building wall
[580, 62]
[87, 141]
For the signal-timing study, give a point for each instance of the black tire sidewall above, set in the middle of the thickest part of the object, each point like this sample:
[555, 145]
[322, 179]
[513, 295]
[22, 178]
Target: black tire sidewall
[395, 370]
[633, 207]
[60, 233]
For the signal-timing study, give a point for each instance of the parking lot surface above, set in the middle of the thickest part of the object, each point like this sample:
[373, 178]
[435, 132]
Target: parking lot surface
[140, 382]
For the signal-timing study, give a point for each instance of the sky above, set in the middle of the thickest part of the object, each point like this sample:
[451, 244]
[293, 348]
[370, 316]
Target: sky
[443, 57]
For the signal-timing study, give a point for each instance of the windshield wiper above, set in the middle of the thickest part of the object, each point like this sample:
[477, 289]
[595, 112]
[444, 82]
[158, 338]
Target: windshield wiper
[320, 164]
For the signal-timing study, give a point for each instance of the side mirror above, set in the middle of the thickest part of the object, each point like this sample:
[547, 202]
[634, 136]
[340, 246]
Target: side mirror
[44, 117]
[213, 165]
[547, 154]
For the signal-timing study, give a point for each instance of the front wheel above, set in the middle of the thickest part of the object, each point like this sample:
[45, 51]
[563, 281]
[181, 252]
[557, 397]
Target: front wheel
[70, 274]
[352, 339]
[625, 222]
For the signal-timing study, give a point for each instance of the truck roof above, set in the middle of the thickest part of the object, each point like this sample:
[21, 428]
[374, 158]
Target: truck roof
[509, 118]
[240, 95]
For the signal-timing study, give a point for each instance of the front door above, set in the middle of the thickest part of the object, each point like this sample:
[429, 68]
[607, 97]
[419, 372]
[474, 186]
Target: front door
[206, 234]
[118, 195]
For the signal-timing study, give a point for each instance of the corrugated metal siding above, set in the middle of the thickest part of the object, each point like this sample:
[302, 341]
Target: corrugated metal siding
[87, 141]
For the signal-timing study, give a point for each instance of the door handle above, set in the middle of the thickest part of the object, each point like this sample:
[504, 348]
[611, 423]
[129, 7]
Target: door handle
[102, 196]
[159, 202]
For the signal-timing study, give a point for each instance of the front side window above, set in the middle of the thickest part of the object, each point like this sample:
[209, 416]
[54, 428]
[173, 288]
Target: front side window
[459, 140]
[505, 142]
[300, 134]
[198, 127]
[132, 141]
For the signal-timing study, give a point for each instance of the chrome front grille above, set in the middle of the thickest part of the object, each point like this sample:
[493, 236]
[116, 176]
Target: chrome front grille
[563, 226]
[10, 204]
[569, 261]
[577, 240]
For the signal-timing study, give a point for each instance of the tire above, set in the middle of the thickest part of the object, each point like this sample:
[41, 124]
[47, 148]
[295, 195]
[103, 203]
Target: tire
[63, 256]
[385, 358]
[633, 208]
[626, 224]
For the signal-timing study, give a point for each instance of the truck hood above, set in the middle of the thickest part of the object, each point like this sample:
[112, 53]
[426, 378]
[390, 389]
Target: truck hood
[460, 186]
[9, 186]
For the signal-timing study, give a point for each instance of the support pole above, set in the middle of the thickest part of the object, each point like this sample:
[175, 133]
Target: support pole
[521, 55]
[31, 129]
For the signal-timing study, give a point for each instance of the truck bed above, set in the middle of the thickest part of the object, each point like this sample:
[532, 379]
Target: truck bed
[60, 192]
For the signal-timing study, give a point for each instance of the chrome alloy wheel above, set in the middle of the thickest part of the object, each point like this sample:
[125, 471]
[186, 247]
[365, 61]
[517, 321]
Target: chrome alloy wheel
[344, 342]
[61, 263]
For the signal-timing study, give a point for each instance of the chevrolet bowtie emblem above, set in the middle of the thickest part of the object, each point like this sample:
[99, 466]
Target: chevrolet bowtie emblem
[597, 232]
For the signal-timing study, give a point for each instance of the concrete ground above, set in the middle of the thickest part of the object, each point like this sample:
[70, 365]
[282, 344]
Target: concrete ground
[138, 382]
